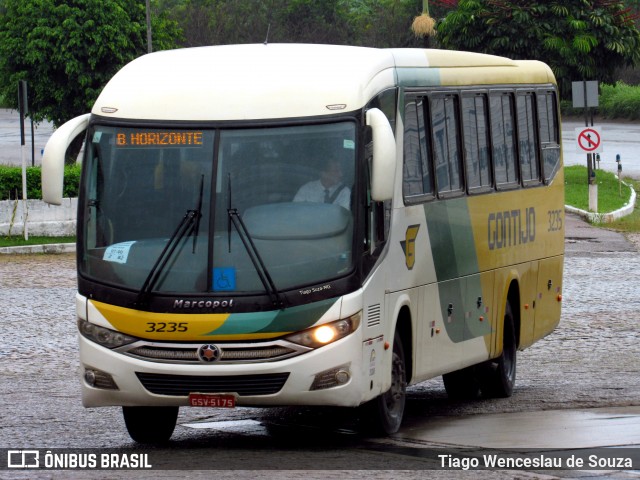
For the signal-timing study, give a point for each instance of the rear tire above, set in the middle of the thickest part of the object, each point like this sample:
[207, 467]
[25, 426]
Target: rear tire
[383, 415]
[499, 375]
[150, 425]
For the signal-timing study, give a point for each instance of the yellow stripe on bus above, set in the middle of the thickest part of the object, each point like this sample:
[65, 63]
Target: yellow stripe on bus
[171, 326]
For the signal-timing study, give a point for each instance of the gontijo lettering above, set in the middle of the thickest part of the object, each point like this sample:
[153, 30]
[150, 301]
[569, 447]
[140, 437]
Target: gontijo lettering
[140, 139]
[511, 227]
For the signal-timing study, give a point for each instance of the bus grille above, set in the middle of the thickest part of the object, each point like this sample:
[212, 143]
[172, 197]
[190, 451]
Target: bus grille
[229, 352]
[183, 385]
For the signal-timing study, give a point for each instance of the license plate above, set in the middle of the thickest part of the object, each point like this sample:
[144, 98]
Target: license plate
[212, 400]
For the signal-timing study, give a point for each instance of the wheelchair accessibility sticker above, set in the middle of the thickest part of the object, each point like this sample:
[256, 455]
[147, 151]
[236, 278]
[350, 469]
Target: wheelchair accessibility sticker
[224, 279]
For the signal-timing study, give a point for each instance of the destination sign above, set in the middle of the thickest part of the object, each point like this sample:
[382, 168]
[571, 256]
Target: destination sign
[159, 139]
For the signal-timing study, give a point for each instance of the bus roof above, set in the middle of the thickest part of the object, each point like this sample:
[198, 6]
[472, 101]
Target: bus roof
[258, 81]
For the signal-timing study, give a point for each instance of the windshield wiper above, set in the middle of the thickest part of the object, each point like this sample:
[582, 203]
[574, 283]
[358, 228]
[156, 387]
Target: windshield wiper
[196, 228]
[252, 251]
[189, 225]
[255, 257]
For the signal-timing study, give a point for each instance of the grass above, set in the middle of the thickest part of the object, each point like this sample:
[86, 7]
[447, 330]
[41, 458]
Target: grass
[630, 223]
[17, 241]
[610, 196]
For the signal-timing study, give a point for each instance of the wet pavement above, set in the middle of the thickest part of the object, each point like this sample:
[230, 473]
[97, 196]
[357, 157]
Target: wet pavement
[549, 429]
[580, 386]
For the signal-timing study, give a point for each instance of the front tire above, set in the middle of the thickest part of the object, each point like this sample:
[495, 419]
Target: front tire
[384, 413]
[150, 425]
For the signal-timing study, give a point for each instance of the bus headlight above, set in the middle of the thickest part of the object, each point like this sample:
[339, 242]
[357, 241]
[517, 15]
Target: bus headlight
[327, 333]
[103, 336]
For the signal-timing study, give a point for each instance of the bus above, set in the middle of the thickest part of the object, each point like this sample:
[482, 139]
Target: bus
[287, 224]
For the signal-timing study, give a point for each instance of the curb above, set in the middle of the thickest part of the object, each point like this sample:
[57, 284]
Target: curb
[606, 217]
[48, 248]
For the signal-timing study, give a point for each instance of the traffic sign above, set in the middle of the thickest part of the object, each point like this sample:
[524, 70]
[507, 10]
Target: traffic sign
[589, 139]
[584, 94]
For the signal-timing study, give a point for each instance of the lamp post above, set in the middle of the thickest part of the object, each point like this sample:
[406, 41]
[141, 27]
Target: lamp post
[149, 42]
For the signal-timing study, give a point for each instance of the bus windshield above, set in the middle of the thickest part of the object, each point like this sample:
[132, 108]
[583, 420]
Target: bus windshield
[243, 211]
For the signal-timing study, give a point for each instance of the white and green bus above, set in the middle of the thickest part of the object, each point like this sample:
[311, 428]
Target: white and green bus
[312, 225]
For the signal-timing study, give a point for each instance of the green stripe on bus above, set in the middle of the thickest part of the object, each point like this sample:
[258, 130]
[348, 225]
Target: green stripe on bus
[418, 77]
[456, 265]
[451, 236]
[275, 321]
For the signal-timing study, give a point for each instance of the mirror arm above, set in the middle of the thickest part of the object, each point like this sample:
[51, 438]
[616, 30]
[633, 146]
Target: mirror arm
[54, 155]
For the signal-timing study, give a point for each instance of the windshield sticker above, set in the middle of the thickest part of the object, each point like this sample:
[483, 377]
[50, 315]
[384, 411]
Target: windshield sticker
[349, 144]
[224, 279]
[118, 252]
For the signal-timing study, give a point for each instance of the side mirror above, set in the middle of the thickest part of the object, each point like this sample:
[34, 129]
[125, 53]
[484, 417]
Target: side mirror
[384, 156]
[53, 158]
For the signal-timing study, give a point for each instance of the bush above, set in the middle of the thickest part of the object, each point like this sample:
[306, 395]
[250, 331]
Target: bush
[615, 101]
[620, 101]
[71, 180]
[11, 182]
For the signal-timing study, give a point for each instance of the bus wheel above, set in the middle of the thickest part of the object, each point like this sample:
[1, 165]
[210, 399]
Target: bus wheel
[500, 374]
[462, 384]
[150, 424]
[383, 415]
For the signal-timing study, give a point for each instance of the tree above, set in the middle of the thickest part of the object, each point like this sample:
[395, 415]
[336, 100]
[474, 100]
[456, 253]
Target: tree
[375, 23]
[217, 22]
[579, 39]
[383, 23]
[67, 51]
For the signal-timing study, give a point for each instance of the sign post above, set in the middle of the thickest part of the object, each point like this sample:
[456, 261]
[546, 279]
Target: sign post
[22, 104]
[585, 95]
[619, 174]
[590, 141]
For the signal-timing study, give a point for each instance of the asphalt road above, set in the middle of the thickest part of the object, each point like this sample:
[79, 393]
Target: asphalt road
[11, 150]
[618, 138]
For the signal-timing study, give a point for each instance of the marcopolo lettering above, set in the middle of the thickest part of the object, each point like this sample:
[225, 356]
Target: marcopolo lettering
[510, 228]
[202, 304]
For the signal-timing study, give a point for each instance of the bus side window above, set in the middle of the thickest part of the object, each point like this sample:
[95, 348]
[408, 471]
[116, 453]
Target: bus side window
[417, 181]
[504, 143]
[527, 142]
[549, 143]
[476, 143]
[445, 124]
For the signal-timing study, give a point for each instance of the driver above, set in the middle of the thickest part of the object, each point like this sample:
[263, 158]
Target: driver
[329, 188]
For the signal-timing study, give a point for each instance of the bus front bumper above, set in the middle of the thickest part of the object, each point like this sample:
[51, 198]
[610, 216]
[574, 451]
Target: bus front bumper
[110, 378]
